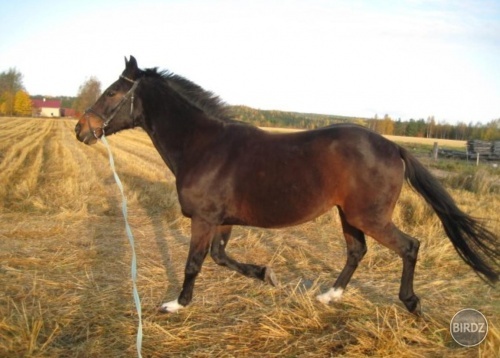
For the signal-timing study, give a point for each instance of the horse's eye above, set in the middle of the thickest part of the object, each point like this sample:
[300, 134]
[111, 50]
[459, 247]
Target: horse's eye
[110, 93]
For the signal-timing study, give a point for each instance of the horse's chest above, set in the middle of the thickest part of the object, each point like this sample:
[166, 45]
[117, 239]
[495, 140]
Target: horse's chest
[204, 195]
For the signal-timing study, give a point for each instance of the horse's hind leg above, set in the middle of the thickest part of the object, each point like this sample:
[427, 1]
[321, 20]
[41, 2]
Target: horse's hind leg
[409, 252]
[218, 253]
[407, 248]
[356, 249]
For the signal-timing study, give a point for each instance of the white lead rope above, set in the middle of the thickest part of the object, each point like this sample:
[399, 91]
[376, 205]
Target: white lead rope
[131, 240]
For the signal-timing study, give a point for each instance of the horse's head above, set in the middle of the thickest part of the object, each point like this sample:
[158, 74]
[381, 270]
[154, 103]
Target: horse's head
[115, 109]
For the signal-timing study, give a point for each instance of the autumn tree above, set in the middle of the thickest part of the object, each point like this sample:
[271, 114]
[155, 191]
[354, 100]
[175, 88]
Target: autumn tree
[388, 125]
[492, 131]
[88, 93]
[6, 103]
[22, 104]
[11, 82]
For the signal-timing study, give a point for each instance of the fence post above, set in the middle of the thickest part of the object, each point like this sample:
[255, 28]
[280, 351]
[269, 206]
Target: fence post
[435, 151]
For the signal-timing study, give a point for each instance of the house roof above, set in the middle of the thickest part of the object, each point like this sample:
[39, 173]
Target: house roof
[46, 103]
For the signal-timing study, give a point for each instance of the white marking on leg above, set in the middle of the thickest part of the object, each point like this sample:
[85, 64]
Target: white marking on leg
[222, 242]
[270, 277]
[332, 294]
[171, 307]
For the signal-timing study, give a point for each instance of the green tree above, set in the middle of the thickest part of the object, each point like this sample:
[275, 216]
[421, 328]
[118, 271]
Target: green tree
[411, 128]
[88, 93]
[11, 82]
[22, 104]
[400, 127]
[462, 131]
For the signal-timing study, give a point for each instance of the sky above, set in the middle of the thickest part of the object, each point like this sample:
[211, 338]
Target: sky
[404, 58]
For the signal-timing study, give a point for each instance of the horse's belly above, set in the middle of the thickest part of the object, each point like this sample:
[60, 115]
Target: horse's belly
[283, 207]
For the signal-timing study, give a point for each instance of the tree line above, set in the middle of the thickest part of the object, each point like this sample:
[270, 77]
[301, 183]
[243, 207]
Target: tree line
[428, 128]
[16, 101]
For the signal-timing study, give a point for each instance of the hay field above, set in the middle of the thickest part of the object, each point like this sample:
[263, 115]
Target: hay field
[448, 143]
[65, 267]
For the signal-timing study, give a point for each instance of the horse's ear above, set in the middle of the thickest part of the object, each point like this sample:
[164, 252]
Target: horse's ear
[131, 64]
[131, 68]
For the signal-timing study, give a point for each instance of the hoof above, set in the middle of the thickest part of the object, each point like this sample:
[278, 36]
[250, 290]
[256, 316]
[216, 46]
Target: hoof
[270, 277]
[417, 311]
[413, 305]
[170, 307]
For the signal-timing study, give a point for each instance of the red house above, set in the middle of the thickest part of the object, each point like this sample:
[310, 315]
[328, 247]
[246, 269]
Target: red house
[46, 107]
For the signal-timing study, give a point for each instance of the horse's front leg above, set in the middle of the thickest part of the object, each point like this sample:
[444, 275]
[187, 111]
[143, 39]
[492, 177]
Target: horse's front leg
[218, 253]
[201, 235]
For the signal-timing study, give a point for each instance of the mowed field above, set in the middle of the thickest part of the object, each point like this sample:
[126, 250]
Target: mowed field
[449, 143]
[65, 287]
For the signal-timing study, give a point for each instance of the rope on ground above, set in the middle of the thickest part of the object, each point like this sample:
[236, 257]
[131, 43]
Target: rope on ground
[131, 241]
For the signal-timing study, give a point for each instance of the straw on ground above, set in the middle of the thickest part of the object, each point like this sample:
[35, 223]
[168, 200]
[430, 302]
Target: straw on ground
[65, 264]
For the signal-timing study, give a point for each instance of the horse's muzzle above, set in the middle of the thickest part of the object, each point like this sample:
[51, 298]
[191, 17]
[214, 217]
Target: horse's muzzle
[87, 136]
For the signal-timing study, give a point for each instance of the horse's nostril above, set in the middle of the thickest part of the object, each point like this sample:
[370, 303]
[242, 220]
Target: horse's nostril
[77, 128]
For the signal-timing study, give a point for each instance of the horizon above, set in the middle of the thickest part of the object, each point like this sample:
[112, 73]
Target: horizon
[407, 59]
[376, 117]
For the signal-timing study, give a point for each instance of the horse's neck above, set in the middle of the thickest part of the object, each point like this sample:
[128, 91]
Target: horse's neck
[176, 137]
[167, 155]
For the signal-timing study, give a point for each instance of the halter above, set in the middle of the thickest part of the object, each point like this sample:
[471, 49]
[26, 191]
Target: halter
[125, 98]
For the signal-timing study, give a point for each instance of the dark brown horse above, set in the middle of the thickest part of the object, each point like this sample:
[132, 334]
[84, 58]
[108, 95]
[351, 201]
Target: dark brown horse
[231, 173]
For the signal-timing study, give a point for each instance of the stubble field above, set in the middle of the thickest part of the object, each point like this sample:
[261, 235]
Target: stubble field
[65, 267]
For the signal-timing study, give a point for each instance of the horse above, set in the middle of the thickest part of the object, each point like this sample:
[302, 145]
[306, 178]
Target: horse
[232, 173]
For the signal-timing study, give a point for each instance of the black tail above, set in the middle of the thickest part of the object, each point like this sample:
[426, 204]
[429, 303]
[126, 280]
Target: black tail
[476, 245]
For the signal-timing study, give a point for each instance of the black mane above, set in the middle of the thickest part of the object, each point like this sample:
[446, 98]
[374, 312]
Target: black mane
[206, 101]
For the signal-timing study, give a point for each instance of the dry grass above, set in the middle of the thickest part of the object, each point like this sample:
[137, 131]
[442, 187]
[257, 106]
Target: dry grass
[65, 267]
[449, 143]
